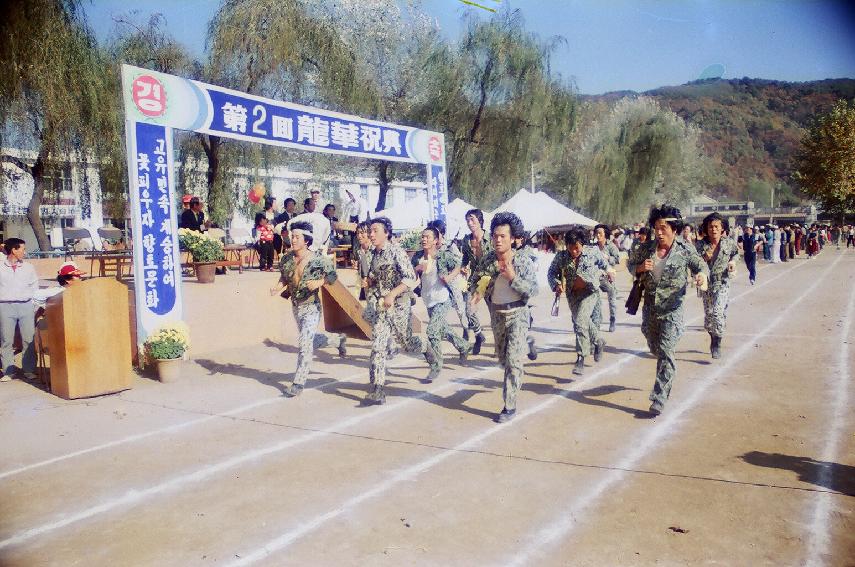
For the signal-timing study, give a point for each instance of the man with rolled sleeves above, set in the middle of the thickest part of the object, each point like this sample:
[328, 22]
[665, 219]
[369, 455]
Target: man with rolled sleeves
[388, 305]
[610, 254]
[507, 280]
[576, 272]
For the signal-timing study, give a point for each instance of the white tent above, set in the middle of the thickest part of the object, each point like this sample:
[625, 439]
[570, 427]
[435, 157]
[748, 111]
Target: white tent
[455, 218]
[407, 216]
[539, 211]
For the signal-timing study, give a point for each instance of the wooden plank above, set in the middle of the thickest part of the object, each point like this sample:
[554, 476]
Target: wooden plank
[343, 313]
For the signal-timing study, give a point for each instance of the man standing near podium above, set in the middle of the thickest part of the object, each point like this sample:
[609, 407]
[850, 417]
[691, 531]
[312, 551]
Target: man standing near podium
[18, 286]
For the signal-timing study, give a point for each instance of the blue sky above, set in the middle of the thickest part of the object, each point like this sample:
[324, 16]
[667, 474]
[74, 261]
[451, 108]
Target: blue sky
[618, 44]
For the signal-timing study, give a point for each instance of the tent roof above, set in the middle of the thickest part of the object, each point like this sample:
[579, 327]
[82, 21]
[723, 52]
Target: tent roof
[407, 216]
[539, 211]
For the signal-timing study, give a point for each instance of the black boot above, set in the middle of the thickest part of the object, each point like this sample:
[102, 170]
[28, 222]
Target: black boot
[376, 396]
[612, 325]
[715, 346]
[532, 350]
[598, 350]
[579, 367]
[294, 390]
[479, 340]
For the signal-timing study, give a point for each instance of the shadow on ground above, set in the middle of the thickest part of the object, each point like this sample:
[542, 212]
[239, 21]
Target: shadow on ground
[833, 476]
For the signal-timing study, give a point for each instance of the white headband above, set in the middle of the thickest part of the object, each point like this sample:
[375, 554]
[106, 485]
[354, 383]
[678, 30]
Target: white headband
[303, 232]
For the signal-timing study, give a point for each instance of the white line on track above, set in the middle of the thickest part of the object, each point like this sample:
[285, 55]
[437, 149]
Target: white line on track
[179, 426]
[288, 538]
[820, 533]
[641, 448]
[133, 497]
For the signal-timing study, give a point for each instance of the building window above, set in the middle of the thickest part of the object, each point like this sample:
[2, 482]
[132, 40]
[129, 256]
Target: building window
[410, 194]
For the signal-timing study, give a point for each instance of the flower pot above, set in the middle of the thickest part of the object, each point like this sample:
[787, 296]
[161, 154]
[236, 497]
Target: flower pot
[205, 271]
[169, 370]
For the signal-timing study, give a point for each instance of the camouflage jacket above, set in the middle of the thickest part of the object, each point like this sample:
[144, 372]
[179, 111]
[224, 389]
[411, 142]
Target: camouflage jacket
[363, 261]
[471, 261]
[446, 260]
[609, 252]
[525, 282]
[667, 294]
[390, 267]
[318, 267]
[564, 271]
[727, 251]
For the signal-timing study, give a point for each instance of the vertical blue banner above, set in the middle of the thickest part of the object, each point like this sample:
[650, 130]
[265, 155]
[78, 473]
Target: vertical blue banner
[437, 190]
[157, 266]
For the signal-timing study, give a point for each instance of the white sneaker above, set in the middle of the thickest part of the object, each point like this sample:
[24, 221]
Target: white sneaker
[5, 378]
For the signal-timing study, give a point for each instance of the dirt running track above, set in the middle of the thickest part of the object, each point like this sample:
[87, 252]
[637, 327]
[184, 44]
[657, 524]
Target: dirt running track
[752, 463]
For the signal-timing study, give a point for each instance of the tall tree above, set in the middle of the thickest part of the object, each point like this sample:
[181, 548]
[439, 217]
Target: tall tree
[825, 164]
[53, 90]
[279, 49]
[629, 157]
[499, 106]
[392, 42]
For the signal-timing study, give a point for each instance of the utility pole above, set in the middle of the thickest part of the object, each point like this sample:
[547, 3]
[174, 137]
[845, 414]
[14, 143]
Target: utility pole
[532, 177]
[771, 203]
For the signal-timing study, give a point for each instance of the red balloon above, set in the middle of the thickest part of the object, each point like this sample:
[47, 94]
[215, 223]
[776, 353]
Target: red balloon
[254, 196]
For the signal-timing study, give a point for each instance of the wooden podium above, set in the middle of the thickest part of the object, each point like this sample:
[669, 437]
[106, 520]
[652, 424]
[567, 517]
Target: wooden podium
[343, 313]
[89, 339]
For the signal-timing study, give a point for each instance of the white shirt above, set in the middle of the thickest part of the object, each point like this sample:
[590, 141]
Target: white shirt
[659, 265]
[502, 291]
[357, 208]
[19, 283]
[434, 291]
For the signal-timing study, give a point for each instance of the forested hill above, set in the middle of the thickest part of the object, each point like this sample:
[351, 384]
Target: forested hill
[751, 127]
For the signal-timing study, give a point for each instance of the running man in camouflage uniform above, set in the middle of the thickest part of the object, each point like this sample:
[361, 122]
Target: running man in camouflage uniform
[661, 264]
[576, 271]
[523, 248]
[433, 267]
[475, 246]
[303, 272]
[720, 253]
[610, 254]
[451, 280]
[507, 280]
[388, 310]
[362, 256]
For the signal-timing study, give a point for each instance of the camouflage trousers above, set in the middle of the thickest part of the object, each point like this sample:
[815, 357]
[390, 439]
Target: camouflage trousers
[308, 315]
[458, 303]
[715, 309]
[510, 328]
[611, 292]
[390, 324]
[471, 315]
[662, 332]
[438, 329]
[587, 329]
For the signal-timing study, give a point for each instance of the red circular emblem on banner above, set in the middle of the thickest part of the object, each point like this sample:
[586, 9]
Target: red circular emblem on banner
[149, 95]
[435, 148]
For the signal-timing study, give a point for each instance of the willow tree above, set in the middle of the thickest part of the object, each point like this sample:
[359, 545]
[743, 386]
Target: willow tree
[825, 163]
[53, 91]
[277, 49]
[503, 107]
[391, 42]
[631, 156]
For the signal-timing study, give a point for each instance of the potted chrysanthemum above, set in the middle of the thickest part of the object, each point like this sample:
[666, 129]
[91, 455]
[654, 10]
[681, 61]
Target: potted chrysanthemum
[206, 252]
[168, 347]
